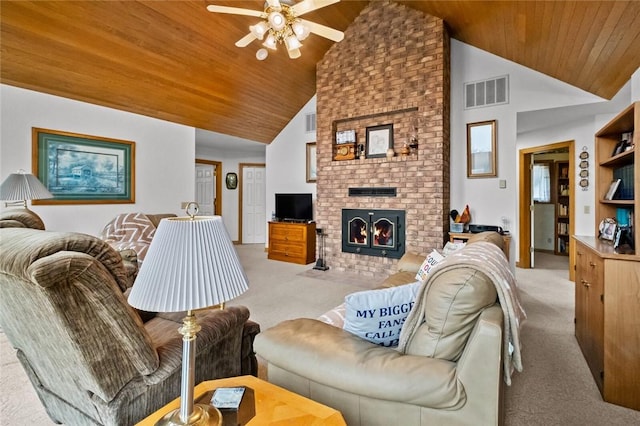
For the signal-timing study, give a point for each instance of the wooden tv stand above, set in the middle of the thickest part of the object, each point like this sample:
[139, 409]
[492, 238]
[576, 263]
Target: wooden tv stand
[292, 242]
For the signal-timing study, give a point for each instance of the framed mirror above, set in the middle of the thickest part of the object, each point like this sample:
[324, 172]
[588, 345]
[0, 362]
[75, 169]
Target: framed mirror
[481, 149]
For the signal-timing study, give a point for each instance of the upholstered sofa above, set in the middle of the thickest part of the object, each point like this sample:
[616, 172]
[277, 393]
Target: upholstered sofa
[91, 357]
[449, 368]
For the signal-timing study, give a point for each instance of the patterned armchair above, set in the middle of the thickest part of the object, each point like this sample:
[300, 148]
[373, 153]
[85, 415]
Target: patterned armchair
[132, 231]
[89, 355]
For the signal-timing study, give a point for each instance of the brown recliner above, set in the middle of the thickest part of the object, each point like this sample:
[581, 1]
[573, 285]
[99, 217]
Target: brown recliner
[89, 355]
[20, 218]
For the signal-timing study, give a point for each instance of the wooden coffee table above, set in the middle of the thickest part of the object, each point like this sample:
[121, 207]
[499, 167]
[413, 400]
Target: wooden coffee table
[273, 404]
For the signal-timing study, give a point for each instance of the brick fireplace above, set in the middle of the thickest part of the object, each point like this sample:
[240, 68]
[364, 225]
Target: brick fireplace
[391, 68]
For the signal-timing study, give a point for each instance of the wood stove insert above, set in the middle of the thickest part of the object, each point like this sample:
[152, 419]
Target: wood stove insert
[373, 232]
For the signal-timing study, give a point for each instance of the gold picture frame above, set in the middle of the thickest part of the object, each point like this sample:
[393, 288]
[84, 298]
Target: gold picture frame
[481, 149]
[312, 174]
[83, 169]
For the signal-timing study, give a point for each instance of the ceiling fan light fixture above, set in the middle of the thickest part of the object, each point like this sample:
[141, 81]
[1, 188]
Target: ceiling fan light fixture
[270, 42]
[262, 54]
[259, 30]
[294, 53]
[281, 23]
[292, 43]
[300, 30]
[277, 21]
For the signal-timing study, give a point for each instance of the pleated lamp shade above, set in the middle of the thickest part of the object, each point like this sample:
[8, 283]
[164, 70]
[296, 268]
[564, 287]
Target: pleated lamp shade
[191, 264]
[23, 186]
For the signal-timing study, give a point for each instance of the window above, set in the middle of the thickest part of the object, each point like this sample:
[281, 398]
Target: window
[541, 183]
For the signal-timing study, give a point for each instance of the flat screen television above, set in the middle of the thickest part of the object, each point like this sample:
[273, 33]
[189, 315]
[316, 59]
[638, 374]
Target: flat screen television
[294, 207]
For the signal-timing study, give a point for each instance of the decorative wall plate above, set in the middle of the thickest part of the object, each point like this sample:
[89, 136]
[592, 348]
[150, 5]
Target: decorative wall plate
[584, 164]
[231, 181]
[584, 183]
[584, 155]
[584, 173]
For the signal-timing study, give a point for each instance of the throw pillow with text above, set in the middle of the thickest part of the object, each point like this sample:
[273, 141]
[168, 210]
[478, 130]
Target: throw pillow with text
[429, 263]
[378, 315]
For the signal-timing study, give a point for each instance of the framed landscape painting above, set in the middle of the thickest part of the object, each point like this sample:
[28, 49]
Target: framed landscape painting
[83, 169]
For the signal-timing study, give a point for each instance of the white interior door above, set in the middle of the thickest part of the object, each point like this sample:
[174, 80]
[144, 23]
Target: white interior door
[253, 205]
[206, 188]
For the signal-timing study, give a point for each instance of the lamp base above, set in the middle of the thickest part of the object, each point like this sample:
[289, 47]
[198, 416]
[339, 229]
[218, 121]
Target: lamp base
[202, 415]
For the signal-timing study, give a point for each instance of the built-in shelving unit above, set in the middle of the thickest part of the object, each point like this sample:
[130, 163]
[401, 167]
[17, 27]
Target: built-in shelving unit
[607, 293]
[562, 216]
[618, 160]
[355, 144]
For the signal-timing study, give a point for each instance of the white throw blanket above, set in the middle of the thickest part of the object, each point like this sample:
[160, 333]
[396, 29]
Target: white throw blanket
[485, 257]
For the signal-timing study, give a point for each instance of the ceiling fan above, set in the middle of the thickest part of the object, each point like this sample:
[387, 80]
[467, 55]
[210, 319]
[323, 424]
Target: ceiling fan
[281, 23]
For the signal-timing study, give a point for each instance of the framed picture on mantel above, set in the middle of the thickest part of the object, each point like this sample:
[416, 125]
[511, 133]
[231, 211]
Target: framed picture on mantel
[379, 140]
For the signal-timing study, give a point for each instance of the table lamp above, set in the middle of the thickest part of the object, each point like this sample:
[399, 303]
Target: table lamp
[191, 264]
[21, 186]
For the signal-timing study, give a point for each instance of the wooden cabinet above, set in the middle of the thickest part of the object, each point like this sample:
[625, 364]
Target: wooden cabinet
[589, 319]
[562, 216]
[608, 279]
[606, 319]
[292, 242]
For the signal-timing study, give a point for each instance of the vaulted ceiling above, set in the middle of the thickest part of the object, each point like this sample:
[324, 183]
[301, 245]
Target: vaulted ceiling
[175, 61]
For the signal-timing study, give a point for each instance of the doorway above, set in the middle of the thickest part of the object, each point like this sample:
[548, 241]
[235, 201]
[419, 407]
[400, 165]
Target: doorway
[208, 184]
[253, 224]
[526, 245]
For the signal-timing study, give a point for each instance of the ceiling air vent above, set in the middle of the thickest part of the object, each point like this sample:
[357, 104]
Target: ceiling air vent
[310, 120]
[372, 192]
[494, 91]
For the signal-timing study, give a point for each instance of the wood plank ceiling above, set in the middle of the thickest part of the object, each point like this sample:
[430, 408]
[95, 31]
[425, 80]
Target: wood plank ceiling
[175, 61]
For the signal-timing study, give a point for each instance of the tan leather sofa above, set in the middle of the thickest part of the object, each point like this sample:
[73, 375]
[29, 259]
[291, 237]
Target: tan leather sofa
[426, 385]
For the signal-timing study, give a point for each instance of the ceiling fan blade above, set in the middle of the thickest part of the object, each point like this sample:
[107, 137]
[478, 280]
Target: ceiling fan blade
[307, 6]
[324, 31]
[244, 41]
[274, 3]
[234, 10]
[294, 53]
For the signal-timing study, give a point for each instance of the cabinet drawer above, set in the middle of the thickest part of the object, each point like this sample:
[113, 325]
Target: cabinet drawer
[288, 248]
[287, 233]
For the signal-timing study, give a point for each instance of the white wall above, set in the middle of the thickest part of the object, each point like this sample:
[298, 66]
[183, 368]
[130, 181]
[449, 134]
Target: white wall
[635, 85]
[230, 199]
[528, 91]
[164, 158]
[287, 159]
[582, 132]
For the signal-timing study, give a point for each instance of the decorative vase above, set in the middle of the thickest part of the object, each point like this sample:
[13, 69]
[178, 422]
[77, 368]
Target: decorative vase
[390, 153]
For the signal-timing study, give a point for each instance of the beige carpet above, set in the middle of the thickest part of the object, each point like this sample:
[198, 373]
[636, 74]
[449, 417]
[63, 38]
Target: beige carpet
[555, 387]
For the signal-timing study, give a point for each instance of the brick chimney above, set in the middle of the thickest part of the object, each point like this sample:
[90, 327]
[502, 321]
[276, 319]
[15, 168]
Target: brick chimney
[391, 68]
